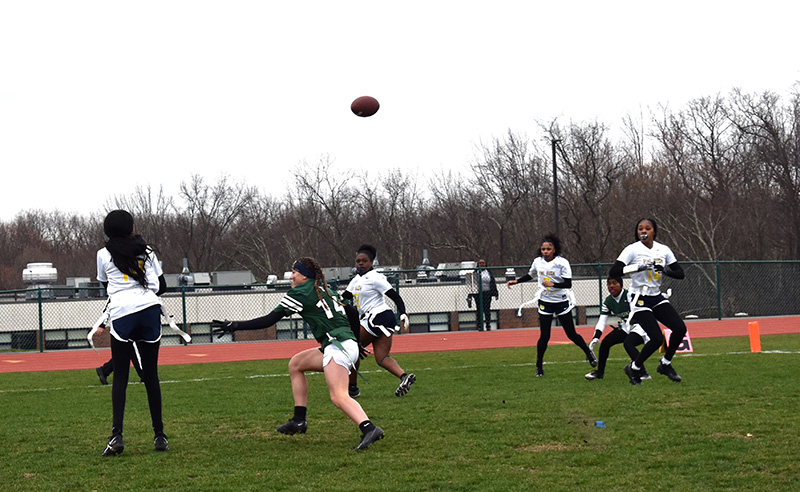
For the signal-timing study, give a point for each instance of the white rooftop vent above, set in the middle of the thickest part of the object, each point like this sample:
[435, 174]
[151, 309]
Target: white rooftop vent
[40, 274]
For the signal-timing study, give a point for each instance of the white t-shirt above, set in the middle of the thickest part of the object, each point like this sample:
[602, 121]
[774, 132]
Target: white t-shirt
[368, 291]
[556, 271]
[647, 282]
[125, 294]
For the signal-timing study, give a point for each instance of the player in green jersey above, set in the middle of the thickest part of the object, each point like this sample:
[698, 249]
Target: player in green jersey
[331, 326]
[615, 307]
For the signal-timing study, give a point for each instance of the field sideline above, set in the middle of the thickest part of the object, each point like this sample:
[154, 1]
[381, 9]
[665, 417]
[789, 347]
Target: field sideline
[408, 343]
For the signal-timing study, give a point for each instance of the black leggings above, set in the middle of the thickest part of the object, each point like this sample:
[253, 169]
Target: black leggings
[121, 353]
[615, 338]
[649, 320]
[545, 320]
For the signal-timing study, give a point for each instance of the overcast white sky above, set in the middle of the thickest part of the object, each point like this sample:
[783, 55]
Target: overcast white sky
[97, 97]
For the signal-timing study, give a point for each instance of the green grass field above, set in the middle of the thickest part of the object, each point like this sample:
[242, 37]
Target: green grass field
[474, 421]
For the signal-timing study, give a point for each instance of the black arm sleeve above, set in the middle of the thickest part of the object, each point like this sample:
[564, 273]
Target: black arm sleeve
[398, 301]
[262, 322]
[347, 296]
[674, 270]
[566, 284]
[353, 318]
[162, 285]
[524, 278]
[616, 269]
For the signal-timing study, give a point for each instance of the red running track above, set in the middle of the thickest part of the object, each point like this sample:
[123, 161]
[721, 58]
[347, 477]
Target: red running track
[58, 360]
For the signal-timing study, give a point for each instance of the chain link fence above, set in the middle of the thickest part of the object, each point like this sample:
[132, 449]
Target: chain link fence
[57, 318]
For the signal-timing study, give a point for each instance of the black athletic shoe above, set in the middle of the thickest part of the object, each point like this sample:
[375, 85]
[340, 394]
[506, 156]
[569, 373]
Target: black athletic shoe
[115, 446]
[592, 359]
[668, 371]
[102, 376]
[370, 437]
[405, 385]
[160, 443]
[291, 427]
[595, 375]
[632, 375]
[539, 371]
[353, 391]
[644, 375]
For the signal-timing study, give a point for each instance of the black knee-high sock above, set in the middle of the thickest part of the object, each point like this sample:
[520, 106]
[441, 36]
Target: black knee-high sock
[648, 322]
[149, 354]
[121, 362]
[545, 321]
[569, 329]
[667, 315]
[632, 341]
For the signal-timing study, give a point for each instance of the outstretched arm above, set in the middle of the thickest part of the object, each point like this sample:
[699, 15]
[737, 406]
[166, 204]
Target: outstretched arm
[524, 278]
[220, 328]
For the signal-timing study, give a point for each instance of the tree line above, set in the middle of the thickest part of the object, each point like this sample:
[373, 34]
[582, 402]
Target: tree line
[721, 177]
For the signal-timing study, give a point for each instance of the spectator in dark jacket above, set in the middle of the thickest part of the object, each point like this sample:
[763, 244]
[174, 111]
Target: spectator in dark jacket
[486, 288]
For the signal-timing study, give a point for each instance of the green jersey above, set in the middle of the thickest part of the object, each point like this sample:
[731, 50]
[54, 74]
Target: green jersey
[326, 317]
[618, 307]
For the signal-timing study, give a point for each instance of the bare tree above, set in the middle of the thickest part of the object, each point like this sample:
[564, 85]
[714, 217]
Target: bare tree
[702, 153]
[510, 181]
[257, 239]
[323, 202]
[773, 131]
[208, 215]
[590, 168]
[388, 206]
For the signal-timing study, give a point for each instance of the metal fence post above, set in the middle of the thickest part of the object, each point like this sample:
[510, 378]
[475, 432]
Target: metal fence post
[719, 292]
[600, 284]
[41, 321]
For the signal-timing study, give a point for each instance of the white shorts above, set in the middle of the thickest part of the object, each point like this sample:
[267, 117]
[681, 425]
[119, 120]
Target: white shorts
[346, 359]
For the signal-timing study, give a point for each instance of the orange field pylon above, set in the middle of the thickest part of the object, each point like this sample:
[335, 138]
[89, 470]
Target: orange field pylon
[755, 337]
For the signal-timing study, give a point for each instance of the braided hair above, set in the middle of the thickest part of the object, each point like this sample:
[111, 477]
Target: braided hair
[126, 248]
[319, 277]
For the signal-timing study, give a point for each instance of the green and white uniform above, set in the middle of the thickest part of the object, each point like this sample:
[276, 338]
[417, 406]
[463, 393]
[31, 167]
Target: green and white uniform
[326, 318]
[616, 309]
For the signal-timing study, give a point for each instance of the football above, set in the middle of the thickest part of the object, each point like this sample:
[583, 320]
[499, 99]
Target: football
[365, 106]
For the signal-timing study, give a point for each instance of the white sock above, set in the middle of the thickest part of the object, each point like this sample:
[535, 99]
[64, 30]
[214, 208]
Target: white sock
[665, 361]
[634, 366]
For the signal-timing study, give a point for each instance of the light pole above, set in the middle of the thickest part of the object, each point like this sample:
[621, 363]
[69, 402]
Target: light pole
[554, 142]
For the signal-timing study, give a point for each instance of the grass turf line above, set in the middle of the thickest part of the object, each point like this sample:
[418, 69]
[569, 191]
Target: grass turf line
[475, 420]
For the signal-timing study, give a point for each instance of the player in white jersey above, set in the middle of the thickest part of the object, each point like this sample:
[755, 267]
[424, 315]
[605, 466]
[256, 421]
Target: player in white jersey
[554, 274]
[367, 291]
[646, 261]
[131, 274]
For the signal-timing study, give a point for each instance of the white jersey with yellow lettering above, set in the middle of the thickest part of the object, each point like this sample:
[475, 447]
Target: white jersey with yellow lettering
[368, 292]
[555, 270]
[647, 282]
